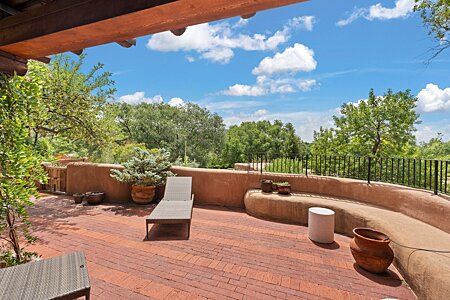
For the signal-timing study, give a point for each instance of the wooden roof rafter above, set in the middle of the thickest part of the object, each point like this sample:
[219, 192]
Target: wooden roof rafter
[72, 25]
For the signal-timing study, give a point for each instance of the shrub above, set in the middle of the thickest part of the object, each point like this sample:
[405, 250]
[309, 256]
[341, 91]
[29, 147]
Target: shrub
[146, 168]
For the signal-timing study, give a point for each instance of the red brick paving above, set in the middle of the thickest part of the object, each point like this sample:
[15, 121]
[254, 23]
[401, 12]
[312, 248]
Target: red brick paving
[230, 255]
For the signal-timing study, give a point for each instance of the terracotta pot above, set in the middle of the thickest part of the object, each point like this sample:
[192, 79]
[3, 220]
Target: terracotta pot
[284, 189]
[94, 197]
[266, 186]
[142, 194]
[78, 198]
[370, 249]
[274, 187]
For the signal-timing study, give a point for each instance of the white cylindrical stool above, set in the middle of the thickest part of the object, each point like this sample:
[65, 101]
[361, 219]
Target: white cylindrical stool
[321, 225]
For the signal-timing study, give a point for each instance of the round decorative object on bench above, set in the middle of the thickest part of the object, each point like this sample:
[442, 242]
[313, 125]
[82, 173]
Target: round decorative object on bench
[370, 249]
[321, 225]
[94, 197]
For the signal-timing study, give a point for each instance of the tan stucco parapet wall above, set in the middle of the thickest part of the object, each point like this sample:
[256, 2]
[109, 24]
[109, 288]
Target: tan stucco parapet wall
[84, 177]
[228, 188]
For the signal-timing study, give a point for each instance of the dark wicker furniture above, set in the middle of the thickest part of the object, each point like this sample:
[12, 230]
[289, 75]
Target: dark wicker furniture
[62, 277]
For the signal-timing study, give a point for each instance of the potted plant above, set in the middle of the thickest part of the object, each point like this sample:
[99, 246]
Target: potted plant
[283, 188]
[94, 198]
[145, 170]
[266, 185]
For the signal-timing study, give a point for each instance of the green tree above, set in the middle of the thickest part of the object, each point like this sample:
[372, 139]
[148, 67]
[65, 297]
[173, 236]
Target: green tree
[187, 130]
[436, 17]
[378, 126]
[325, 142]
[435, 148]
[72, 105]
[19, 166]
[272, 139]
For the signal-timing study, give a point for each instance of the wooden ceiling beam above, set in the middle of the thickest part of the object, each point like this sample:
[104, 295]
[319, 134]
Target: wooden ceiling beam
[11, 63]
[7, 9]
[68, 25]
[45, 59]
[127, 43]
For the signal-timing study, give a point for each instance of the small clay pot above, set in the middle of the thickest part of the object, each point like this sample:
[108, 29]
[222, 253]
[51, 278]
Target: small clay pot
[370, 249]
[142, 194]
[78, 198]
[266, 186]
[274, 187]
[94, 197]
[284, 189]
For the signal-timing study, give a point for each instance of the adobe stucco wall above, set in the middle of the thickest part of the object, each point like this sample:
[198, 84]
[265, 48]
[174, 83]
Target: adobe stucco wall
[85, 177]
[228, 188]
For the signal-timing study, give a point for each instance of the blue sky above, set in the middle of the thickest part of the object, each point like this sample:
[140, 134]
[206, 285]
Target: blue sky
[297, 63]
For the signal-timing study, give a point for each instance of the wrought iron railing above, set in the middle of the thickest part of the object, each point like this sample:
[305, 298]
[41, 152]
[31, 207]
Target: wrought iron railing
[426, 174]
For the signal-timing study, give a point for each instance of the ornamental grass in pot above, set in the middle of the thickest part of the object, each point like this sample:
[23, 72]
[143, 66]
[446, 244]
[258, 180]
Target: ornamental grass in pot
[146, 170]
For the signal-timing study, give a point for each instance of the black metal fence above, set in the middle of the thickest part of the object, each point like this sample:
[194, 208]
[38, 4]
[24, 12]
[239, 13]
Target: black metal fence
[426, 174]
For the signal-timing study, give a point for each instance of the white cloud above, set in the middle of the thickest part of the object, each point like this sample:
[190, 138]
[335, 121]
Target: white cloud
[304, 22]
[216, 42]
[307, 85]
[219, 55]
[304, 122]
[430, 130]
[292, 59]
[177, 102]
[356, 14]
[240, 23]
[139, 97]
[432, 98]
[402, 9]
[190, 59]
[245, 90]
[229, 105]
[275, 75]
[265, 85]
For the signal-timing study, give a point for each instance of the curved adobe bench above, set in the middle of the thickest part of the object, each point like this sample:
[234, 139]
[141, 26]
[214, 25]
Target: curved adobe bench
[427, 273]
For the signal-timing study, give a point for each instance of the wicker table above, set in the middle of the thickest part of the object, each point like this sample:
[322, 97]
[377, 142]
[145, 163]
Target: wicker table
[62, 277]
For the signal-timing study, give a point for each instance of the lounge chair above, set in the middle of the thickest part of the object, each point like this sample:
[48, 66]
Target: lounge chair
[61, 277]
[176, 206]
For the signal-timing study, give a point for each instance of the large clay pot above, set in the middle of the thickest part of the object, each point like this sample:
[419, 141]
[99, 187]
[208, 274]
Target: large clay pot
[370, 249]
[142, 194]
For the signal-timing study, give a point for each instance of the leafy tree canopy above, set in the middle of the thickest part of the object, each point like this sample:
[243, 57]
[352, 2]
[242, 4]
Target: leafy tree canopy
[273, 139]
[436, 17]
[189, 130]
[378, 126]
[71, 105]
[19, 166]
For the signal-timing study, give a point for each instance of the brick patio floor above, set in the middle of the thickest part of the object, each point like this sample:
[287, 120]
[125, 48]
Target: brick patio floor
[230, 255]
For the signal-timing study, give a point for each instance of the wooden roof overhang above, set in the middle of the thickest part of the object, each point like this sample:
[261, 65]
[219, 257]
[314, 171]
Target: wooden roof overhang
[34, 29]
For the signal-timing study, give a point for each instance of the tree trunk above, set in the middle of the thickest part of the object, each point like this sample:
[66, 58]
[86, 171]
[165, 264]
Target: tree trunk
[10, 220]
